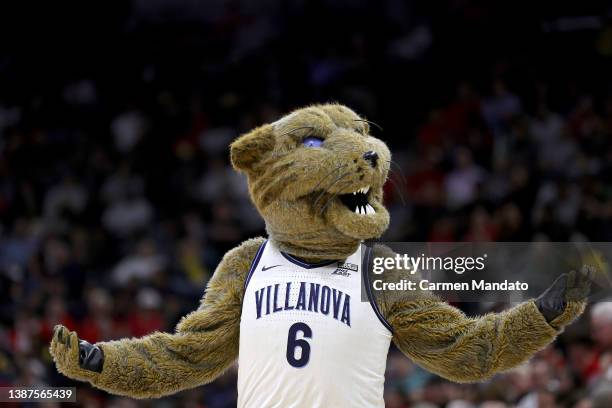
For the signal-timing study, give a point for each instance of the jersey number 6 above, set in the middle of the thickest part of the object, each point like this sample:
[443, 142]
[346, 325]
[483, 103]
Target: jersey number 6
[293, 343]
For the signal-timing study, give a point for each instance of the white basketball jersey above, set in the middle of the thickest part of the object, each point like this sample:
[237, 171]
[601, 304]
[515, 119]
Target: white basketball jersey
[306, 338]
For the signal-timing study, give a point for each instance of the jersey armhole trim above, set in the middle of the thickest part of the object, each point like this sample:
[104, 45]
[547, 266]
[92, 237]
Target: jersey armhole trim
[254, 264]
[368, 288]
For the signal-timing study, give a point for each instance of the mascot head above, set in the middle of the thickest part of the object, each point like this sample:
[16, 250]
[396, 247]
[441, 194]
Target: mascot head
[316, 177]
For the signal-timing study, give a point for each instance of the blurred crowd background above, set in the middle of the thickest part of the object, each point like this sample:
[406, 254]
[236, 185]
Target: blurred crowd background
[117, 199]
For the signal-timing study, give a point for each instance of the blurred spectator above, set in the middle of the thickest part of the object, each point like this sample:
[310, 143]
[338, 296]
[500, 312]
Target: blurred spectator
[142, 266]
[463, 182]
[147, 317]
[601, 325]
[602, 397]
[500, 107]
[128, 215]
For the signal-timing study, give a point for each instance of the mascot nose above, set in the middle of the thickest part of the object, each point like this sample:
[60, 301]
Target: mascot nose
[372, 157]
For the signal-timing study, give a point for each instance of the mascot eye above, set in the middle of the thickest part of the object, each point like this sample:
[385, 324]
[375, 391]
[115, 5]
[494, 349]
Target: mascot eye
[312, 141]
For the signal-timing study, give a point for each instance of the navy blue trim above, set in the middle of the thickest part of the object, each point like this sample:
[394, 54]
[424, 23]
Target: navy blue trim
[254, 263]
[306, 265]
[366, 281]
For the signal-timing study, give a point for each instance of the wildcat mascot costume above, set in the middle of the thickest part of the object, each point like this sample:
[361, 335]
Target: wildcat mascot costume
[316, 177]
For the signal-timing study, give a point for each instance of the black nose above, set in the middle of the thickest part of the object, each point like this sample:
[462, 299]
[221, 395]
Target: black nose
[372, 157]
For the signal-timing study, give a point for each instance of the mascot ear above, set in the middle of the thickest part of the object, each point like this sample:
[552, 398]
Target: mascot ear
[248, 149]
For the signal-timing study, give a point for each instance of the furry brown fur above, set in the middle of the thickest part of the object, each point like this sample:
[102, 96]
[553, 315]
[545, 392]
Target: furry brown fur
[296, 190]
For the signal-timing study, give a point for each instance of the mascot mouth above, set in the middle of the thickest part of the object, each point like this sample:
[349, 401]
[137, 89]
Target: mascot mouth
[358, 214]
[358, 201]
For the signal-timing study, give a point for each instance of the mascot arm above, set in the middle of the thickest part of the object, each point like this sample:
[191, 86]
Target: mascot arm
[443, 340]
[204, 345]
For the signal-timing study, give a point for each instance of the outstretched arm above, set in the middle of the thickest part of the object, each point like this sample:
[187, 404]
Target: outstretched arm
[204, 345]
[443, 340]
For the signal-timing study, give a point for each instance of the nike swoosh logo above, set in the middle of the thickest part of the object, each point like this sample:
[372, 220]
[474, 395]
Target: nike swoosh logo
[264, 268]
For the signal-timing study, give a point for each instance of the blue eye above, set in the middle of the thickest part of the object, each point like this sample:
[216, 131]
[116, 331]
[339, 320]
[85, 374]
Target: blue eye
[312, 141]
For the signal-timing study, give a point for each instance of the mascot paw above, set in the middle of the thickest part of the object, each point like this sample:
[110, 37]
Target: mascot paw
[566, 298]
[70, 356]
[579, 284]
